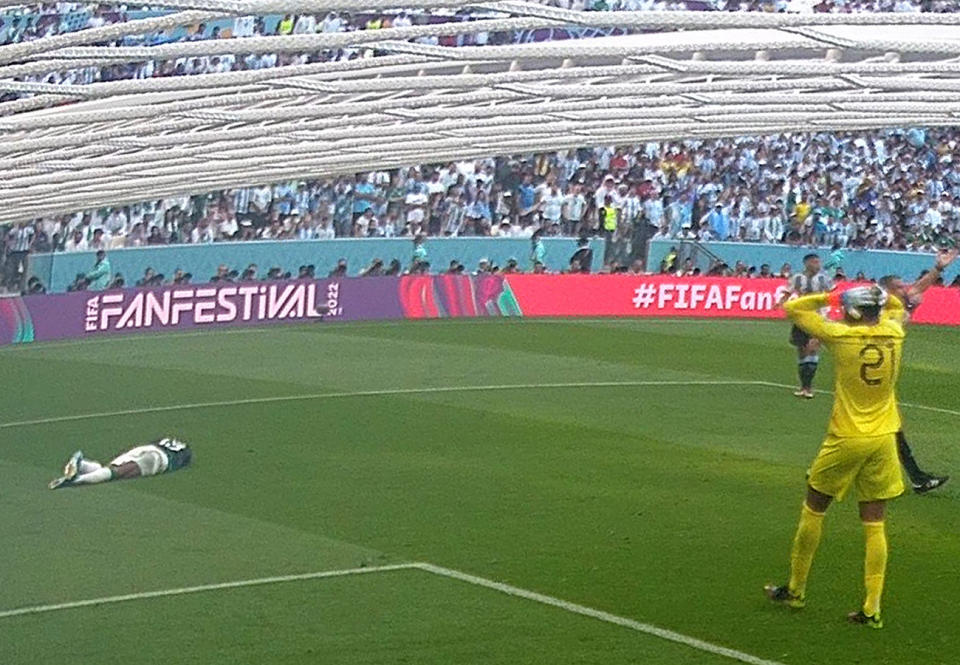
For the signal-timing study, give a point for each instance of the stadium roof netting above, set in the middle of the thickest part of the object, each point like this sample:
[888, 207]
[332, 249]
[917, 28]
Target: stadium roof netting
[65, 148]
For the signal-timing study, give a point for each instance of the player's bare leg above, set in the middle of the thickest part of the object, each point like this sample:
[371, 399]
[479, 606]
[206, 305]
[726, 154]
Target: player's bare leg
[94, 473]
[808, 360]
[107, 473]
[805, 543]
[872, 514]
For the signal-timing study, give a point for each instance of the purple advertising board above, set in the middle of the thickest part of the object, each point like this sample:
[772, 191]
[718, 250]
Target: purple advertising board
[86, 314]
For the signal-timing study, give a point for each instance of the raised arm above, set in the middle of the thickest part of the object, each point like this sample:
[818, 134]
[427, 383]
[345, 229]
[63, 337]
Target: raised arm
[944, 259]
[805, 312]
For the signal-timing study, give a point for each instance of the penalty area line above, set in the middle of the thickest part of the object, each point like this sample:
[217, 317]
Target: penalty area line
[162, 593]
[501, 587]
[600, 615]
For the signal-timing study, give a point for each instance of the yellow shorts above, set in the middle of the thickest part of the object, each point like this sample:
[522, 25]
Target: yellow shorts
[871, 463]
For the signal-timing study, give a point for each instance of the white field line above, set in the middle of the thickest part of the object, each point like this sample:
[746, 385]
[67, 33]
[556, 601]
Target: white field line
[93, 602]
[507, 589]
[370, 393]
[911, 405]
[600, 615]
[423, 391]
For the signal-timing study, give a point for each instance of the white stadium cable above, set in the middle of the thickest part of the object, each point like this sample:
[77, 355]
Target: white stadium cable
[100, 179]
[386, 126]
[238, 78]
[295, 75]
[420, 107]
[699, 20]
[219, 141]
[234, 82]
[294, 43]
[69, 117]
[622, 105]
[24, 104]
[57, 89]
[47, 171]
[59, 158]
[241, 115]
[628, 20]
[423, 107]
[149, 188]
[500, 92]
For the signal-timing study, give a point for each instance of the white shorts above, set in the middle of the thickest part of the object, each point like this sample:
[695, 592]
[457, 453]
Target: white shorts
[150, 459]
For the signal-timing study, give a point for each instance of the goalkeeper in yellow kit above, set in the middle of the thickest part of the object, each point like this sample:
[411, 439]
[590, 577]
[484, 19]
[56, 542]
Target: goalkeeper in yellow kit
[860, 448]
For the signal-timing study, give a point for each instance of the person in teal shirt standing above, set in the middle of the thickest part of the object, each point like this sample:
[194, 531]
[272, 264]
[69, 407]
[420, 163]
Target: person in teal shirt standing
[99, 277]
[538, 251]
[419, 252]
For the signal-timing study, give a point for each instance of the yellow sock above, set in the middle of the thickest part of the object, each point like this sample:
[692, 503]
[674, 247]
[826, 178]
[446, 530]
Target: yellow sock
[804, 547]
[875, 565]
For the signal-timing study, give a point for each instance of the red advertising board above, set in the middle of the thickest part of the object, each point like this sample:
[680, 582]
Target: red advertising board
[647, 295]
[941, 305]
[669, 296]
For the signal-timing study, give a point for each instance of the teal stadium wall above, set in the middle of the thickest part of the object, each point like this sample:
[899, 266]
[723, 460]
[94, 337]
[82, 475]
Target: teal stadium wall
[58, 270]
[874, 263]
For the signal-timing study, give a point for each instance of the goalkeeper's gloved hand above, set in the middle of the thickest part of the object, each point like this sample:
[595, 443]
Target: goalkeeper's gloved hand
[862, 296]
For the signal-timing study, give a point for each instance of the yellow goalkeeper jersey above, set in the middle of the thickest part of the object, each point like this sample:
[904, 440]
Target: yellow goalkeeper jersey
[867, 365]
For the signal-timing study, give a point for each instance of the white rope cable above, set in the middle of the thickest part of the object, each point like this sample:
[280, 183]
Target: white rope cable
[271, 147]
[229, 80]
[296, 43]
[218, 84]
[280, 154]
[694, 19]
[376, 161]
[137, 139]
[425, 111]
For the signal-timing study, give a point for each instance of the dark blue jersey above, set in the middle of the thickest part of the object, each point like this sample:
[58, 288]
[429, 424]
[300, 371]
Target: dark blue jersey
[178, 453]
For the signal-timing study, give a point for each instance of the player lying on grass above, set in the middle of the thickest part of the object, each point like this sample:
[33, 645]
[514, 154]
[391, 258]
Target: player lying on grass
[154, 458]
[911, 295]
[860, 448]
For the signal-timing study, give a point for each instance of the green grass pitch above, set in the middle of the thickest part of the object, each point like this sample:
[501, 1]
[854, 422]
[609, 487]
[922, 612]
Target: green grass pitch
[669, 505]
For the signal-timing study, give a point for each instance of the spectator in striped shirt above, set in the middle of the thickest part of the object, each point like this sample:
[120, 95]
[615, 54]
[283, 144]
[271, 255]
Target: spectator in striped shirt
[19, 244]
